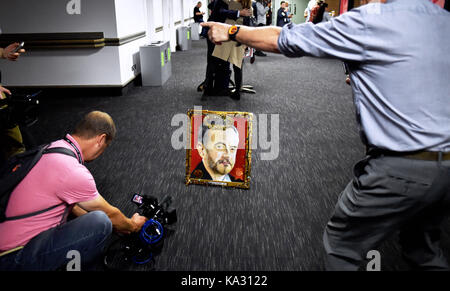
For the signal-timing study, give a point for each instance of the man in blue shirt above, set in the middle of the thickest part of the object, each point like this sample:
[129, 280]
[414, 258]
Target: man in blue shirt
[395, 51]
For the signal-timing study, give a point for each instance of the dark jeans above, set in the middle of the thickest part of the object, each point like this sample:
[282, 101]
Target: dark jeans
[47, 251]
[390, 194]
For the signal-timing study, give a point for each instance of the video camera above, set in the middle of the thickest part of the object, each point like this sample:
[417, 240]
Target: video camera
[19, 110]
[151, 209]
[140, 247]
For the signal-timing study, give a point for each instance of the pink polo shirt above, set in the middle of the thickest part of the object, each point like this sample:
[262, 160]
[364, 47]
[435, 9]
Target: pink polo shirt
[55, 179]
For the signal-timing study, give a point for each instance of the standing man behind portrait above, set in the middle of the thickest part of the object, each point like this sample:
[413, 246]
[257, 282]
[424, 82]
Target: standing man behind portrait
[217, 77]
[232, 52]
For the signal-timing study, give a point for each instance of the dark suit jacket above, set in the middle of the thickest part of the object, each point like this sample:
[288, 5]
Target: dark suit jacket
[220, 12]
[200, 172]
[281, 19]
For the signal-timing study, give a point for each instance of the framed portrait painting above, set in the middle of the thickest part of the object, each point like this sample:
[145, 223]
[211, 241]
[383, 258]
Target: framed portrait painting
[219, 148]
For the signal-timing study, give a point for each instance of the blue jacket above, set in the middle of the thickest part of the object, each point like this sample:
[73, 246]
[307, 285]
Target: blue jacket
[282, 18]
[220, 12]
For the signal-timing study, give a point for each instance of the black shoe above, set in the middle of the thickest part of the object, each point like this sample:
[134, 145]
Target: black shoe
[260, 54]
[235, 95]
[252, 59]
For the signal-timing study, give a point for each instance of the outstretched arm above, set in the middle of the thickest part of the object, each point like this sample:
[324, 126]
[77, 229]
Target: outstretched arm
[260, 38]
[120, 222]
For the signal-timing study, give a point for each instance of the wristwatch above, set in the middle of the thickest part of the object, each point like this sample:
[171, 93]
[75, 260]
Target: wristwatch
[232, 32]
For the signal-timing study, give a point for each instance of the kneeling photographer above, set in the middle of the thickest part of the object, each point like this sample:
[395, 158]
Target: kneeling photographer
[35, 233]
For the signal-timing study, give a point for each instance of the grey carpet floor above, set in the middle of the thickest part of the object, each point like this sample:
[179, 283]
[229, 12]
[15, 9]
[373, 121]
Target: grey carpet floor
[277, 224]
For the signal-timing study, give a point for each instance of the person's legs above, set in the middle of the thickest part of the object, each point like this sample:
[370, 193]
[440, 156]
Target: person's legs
[420, 241]
[238, 76]
[236, 94]
[204, 32]
[211, 65]
[86, 234]
[222, 77]
[385, 193]
[420, 237]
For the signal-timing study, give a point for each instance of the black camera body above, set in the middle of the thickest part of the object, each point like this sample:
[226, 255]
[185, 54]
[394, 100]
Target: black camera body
[150, 208]
[141, 247]
[19, 110]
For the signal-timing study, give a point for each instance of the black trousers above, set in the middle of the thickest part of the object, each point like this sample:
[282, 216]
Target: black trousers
[390, 194]
[238, 73]
[218, 72]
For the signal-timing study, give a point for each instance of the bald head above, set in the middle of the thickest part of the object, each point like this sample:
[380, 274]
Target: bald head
[96, 123]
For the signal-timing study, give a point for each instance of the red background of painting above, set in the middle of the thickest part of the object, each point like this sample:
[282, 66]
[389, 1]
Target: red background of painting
[239, 167]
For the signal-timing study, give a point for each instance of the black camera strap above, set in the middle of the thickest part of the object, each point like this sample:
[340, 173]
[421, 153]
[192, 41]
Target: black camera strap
[80, 160]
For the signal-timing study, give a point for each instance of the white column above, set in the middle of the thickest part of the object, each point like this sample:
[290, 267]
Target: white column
[182, 12]
[172, 30]
[150, 21]
[168, 23]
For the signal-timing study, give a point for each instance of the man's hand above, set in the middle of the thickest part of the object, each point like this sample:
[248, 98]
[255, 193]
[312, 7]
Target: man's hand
[218, 32]
[4, 90]
[139, 221]
[260, 38]
[8, 52]
[245, 12]
[120, 222]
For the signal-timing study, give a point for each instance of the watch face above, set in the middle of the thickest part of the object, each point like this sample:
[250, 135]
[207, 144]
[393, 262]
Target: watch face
[233, 30]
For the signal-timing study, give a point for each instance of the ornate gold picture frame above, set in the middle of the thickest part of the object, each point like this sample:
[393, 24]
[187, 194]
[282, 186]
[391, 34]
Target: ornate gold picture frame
[219, 151]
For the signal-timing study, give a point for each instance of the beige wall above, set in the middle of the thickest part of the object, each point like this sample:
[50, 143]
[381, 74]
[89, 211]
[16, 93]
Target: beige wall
[333, 5]
[357, 3]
